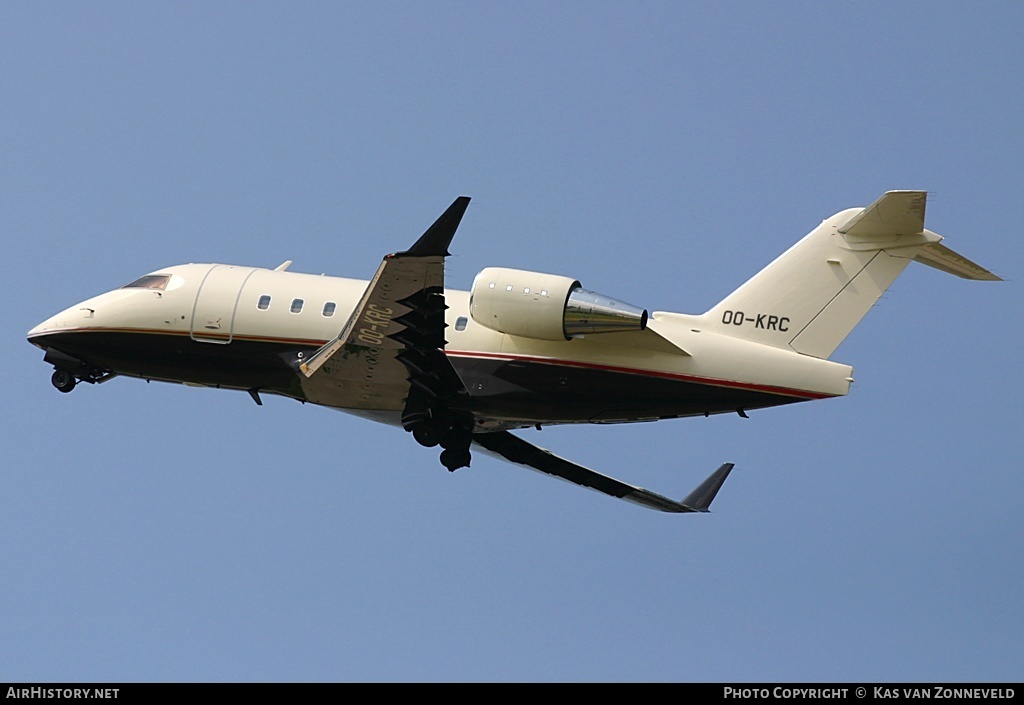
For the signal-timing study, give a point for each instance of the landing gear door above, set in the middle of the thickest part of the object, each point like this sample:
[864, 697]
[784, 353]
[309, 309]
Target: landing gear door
[213, 314]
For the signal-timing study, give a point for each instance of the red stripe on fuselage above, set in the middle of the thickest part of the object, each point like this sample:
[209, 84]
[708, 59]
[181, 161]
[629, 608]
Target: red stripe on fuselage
[710, 381]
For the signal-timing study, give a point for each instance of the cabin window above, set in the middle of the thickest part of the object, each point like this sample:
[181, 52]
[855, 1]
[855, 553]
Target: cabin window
[329, 309]
[264, 302]
[460, 323]
[297, 305]
[508, 288]
[150, 281]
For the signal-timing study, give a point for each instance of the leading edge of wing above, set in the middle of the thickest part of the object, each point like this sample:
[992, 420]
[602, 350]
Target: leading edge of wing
[400, 312]
[512, 448]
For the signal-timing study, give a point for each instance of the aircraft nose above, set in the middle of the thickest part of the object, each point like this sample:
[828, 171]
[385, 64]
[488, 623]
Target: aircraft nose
[38, 335]
[68, 318]
[37, 331]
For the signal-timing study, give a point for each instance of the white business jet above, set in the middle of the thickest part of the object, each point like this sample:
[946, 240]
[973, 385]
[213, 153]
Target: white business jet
[520, 349]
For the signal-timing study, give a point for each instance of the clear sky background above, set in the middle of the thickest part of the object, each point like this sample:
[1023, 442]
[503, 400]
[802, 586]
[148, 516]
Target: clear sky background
[661, 153]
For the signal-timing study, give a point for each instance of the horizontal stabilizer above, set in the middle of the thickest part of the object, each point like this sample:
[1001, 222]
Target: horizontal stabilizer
[895, 213]
[944, 259]
[515, 449]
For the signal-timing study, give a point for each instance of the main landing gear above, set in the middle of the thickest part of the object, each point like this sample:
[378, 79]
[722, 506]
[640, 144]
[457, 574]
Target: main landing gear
[453, 435]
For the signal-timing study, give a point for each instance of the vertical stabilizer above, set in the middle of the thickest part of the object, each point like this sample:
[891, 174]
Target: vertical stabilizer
[814, 294]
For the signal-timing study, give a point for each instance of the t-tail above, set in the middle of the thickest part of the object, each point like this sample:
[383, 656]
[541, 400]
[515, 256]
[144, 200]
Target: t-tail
[815, 293]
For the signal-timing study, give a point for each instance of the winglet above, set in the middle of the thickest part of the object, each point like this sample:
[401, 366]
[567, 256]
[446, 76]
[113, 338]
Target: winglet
[700, 499]
[434, 242]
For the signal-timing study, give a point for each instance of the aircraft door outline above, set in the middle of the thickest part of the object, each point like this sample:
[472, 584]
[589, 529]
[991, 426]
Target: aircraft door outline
[213, 312]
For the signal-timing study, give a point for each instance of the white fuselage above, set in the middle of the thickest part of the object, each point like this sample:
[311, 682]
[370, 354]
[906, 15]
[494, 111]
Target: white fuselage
[231, 316]
[458, 369]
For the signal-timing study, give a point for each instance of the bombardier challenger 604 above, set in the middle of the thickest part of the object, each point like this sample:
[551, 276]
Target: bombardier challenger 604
[520, 349]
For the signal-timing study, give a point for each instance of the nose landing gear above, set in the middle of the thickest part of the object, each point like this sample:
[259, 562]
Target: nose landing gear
[66, 380]
[63, 380]
[69, 371]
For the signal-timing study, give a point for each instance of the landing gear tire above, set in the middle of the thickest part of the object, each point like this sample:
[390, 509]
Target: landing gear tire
[428, 434]
[63, 380]
[453, 459]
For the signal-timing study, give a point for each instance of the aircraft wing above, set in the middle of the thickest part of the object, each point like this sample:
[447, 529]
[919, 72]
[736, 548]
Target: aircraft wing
[389, 357]
[515, 449]
[395, 336]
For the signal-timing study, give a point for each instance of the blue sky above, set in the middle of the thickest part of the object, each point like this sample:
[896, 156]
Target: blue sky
[661, 153]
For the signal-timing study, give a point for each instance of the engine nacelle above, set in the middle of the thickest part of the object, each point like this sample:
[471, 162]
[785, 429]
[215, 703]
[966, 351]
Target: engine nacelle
[547, 306]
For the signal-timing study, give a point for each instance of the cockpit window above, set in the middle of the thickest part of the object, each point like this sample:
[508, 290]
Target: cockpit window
[150, 281]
